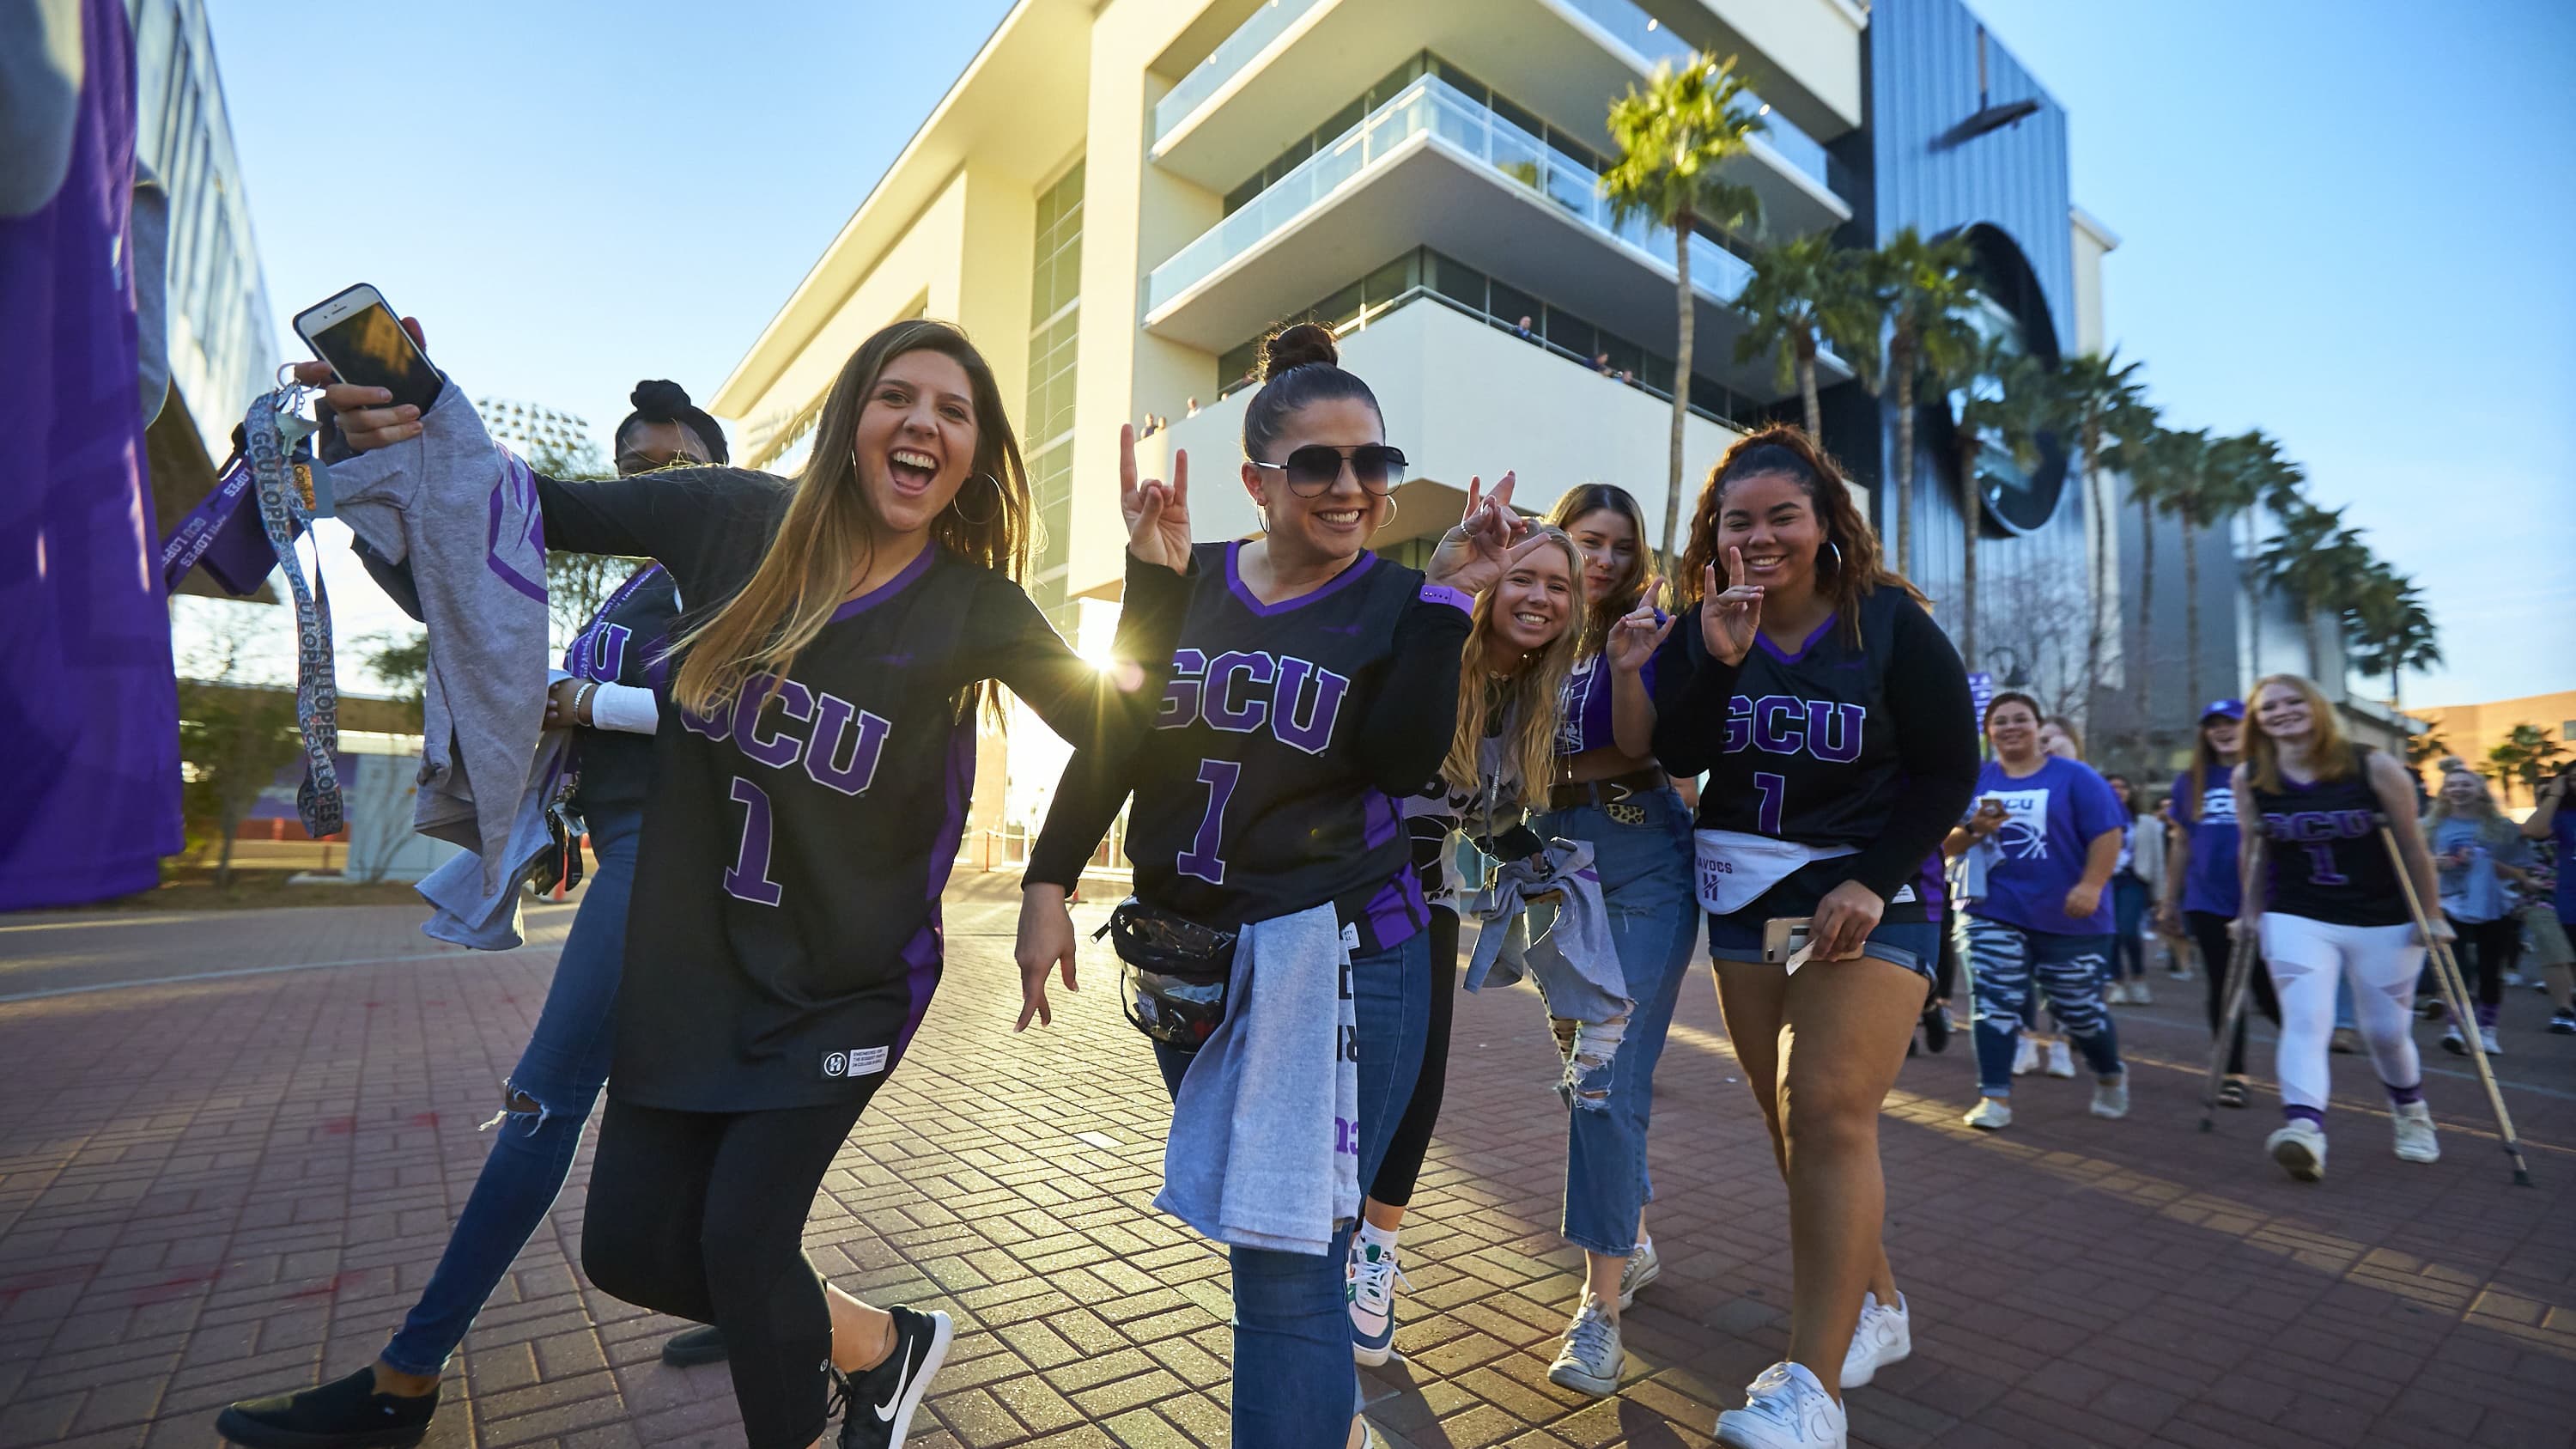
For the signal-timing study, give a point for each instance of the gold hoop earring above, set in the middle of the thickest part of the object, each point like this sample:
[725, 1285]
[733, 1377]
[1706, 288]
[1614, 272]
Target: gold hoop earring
[989, 514]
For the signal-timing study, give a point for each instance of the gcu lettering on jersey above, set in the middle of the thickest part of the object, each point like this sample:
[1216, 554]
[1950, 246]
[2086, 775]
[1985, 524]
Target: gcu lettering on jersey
[2304, 827]
[840, 749]
[1785, 724]
[1243, 691]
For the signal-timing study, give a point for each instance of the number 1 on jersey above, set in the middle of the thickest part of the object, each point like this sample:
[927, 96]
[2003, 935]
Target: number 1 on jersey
[2321, 866]
[748, 877]
[1204, 858]
[1774, 789]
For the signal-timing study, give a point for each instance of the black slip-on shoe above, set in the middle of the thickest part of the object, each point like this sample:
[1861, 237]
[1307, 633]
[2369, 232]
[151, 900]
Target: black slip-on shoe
[877, 1406]
[343, 1414]
[693, 1346]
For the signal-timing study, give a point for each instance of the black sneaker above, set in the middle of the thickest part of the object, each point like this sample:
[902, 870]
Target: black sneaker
[343, 1414]
[693, 1346]
[2563, 1022]
[876, 1406]
[1937, 1027]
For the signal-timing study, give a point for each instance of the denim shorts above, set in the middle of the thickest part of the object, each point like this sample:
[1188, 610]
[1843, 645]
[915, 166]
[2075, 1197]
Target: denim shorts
[1914, 944]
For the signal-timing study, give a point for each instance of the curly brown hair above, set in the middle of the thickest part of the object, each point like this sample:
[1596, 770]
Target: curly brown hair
[1847, 574]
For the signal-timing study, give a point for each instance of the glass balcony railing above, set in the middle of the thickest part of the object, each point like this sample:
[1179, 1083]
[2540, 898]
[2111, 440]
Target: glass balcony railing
[1232, 54]
[1433, 105]
[1654, 40]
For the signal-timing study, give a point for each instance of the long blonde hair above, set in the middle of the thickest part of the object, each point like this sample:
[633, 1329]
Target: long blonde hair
[2330, 755]
[2485, 813]
[1532, 697]
[1586, 498]
[825, 541]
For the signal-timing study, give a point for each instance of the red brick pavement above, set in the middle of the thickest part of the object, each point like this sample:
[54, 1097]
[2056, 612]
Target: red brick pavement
[235, 1184]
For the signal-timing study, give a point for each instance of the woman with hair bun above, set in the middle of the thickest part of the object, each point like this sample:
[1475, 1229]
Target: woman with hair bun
[1315, 685]
[1834, 721]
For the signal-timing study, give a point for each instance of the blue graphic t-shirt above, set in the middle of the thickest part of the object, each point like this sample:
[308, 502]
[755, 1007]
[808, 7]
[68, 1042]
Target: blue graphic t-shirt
[2473, 891]
[2051, 818]
[2210, 880]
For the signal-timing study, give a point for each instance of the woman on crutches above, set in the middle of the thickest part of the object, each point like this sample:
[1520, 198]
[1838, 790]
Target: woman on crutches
[2328, 903]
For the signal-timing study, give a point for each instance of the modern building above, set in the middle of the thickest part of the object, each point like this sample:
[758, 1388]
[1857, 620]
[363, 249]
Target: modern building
[2471, 730]
[222, 336]
[1120, 198]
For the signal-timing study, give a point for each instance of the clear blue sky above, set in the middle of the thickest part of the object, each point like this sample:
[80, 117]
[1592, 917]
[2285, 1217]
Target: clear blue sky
[2342, 222]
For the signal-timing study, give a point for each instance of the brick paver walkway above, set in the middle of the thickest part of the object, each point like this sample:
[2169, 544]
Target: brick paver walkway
[234, 1183]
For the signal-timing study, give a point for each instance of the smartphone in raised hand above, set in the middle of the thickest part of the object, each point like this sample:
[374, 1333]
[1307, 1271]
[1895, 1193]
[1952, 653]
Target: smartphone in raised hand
[366, 345]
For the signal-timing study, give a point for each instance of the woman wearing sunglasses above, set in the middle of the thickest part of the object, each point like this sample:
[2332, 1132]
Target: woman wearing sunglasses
[1315, 684]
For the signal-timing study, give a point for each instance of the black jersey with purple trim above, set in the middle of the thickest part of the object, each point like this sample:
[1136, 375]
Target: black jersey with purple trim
[618, 646]
[2326, 860]
[784, 938]
[1270, 779]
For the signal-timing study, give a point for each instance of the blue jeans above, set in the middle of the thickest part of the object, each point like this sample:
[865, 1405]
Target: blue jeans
[562, 1070]
[2007, 960]
[1646, 884]
[2129, 927]
[1296, 1385]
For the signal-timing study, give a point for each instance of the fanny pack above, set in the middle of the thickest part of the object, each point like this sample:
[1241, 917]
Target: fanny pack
[1173, 972]
[1734, 868]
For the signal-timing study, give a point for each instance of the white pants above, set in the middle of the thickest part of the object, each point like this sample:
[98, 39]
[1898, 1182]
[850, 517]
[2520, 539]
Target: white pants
[2306, 957]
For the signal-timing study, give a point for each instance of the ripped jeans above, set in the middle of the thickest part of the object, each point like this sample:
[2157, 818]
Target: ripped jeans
[558, 1080]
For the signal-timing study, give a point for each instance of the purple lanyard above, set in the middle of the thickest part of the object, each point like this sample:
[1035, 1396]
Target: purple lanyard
[196, 533]
[577, 658]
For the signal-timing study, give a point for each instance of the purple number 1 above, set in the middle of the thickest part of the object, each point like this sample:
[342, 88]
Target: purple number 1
[1774, 789]
[2321, 866]
[1203, 859]
[748, 877]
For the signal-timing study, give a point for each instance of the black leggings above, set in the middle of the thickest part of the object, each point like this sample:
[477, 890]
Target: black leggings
[2495, 946]
[1405, 1151]
[701, 1215]
[2209, 932]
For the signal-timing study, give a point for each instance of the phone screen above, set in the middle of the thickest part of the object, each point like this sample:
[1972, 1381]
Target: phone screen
[369, 348]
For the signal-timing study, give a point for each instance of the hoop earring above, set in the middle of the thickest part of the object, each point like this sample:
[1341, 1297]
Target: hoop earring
[989, 514]
[1838, 555]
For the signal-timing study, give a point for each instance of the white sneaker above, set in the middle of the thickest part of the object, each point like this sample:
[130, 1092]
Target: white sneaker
[2300, 1148]
[1883, 1336]
[1590, 1358]
[1369, 1288]
[1990, 1114]
[2026, 1058]
[2138, 994]
[1785, 1409]
[2487, 1039]
[1643, 1267]
[2115, 994]
[2061, 1062]
[2111, 1099]
[2416, 1141]
[2453, 1042]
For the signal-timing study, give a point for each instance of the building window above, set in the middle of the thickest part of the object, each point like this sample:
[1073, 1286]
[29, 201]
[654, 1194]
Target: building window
[1055, 325]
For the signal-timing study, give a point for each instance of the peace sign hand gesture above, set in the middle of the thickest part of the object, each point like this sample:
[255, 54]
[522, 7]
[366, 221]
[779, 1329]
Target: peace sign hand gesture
[1728, 620]
[1488, 540]
[1158, 513]
[1634, 639]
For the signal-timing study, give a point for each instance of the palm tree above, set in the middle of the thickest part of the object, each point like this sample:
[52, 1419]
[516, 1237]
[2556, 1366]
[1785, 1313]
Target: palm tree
[2154, 457]
[2279, 489]
[2527, 754]
[2094, 400]
[1673, 138]
[1922, 291]
[2313, 559]
[2387, 629]
[2004, 400]
[1806, 293]
[2230, 481]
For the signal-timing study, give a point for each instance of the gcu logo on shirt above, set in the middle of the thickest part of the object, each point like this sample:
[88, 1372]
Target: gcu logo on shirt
[1783, 724]
[1240, 692]
[2308, 826]
[839, 729]
[607, 652]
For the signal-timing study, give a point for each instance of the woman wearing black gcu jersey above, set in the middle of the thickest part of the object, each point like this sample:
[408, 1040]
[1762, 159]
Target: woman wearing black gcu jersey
[1520, 648]
[548, 1097]
[809, 784]
[2329, 907]
[1834, 721]
[1315, 685]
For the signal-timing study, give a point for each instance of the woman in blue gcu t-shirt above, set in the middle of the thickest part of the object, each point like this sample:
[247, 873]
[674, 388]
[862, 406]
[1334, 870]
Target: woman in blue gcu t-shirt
[2203, 859]
[2055, 828]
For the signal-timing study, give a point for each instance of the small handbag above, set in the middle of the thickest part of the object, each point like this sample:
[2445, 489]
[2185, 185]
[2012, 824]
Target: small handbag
[1173, 972]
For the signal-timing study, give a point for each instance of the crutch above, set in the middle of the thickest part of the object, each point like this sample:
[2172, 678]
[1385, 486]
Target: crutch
[2455, 998]
[2244, 958]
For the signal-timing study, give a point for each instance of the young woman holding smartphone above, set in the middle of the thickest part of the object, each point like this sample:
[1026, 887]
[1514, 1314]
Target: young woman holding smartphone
[1834, 721]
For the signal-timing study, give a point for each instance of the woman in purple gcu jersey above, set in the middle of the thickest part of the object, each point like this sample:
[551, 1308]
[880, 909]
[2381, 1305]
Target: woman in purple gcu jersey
[2328, 904]
[1519, 651]
[547, 1099]
[1834, 721]
[2044, 923]
[1610, 792]
[2203, 855]
[784, 939]
[1315, 685]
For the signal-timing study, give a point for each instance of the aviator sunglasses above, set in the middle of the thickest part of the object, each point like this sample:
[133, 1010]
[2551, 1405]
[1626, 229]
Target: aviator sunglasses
[1315, 468]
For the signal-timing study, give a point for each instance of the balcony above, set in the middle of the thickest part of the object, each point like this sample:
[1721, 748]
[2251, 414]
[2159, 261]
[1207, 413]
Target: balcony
[1430, 167]
[1281, 72]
